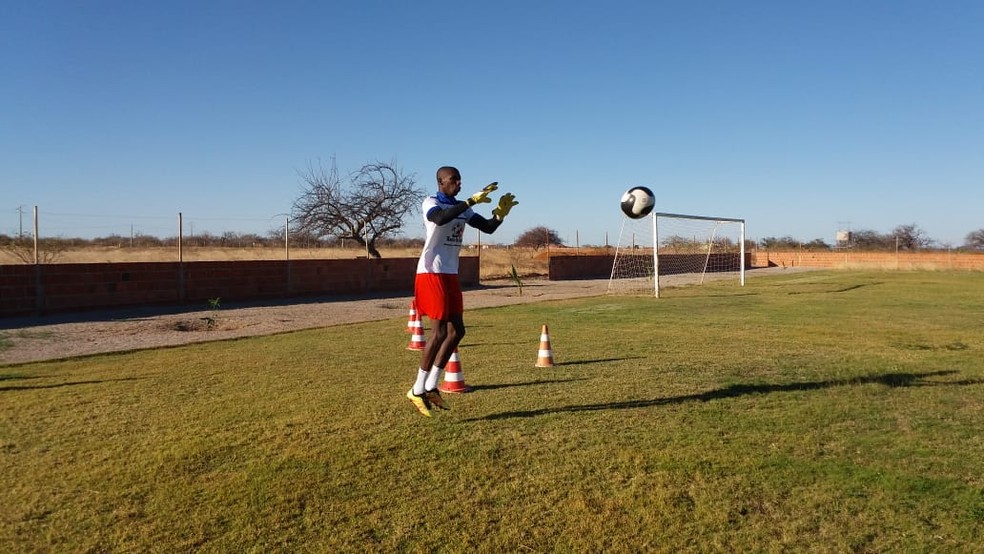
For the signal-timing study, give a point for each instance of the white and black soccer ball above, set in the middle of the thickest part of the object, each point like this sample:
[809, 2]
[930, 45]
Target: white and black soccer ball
[637, 202]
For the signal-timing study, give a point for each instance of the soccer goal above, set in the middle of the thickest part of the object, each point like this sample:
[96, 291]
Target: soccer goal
[664, 250]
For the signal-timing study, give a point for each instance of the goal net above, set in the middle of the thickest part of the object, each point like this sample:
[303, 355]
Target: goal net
[664, 250]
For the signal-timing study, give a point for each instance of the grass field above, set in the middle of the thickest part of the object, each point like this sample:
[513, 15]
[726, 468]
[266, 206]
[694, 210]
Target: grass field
[821, 411]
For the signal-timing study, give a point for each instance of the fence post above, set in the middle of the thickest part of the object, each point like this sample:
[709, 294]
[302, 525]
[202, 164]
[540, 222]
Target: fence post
[38, 286]
[287, 252]
[181, 271]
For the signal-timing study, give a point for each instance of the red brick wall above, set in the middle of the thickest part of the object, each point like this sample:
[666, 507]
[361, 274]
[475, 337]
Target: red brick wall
[562, 268]
[879, 260]
[18, 289]
[53, 288]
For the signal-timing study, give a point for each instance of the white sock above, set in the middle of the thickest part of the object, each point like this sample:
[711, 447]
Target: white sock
[434, 375]
[418, 385]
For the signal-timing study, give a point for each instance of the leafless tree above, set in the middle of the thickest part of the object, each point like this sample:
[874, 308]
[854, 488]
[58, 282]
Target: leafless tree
[370, 204]
[911, 237]
[866, 239]
[974, 240]
[689, 245]
[539, 237]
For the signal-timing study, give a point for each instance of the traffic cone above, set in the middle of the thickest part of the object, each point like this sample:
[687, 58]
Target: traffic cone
[544, 355]
[417, 339]
[412, 316]
[454, 380]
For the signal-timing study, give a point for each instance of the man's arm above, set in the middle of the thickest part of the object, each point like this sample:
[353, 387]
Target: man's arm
[444, 216]
[487, 226]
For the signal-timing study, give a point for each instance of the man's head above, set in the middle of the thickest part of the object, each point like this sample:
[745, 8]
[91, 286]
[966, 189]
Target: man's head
[449, 180]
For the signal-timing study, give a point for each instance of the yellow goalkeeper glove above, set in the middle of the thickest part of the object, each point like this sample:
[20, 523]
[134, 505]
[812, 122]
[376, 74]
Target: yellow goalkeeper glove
[506, 203]
[482, 196]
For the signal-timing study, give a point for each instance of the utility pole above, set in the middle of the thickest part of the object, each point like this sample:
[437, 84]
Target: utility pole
[20, 211]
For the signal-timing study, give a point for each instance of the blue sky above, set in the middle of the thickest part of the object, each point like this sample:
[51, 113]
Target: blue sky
[801, 117]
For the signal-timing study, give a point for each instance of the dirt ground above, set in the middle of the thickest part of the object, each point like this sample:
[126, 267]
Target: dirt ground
[32, 339]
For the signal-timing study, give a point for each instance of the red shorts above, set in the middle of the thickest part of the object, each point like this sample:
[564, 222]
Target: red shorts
[438, 295]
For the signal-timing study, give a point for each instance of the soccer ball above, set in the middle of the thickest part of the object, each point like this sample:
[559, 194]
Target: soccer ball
[637, 202]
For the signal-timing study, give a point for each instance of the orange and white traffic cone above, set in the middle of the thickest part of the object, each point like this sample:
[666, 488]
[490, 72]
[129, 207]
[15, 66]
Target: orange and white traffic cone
[544, 356]
[417, 339]
[454, 380]
[411, 316]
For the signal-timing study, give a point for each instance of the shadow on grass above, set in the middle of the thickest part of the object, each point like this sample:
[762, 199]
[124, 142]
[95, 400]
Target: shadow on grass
[16, 376]
[526, 384]
[531, 344]
[734, 391]
[69, 384]
[598, 361]
[836, 291]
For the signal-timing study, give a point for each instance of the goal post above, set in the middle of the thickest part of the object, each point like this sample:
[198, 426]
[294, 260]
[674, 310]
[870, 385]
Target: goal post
[667, 249]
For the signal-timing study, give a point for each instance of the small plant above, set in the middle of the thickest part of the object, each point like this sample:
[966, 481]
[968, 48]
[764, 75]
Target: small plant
[515, 277]
[212, 319]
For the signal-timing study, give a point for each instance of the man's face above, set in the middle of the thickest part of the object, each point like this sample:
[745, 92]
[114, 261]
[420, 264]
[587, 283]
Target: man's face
[450, 183]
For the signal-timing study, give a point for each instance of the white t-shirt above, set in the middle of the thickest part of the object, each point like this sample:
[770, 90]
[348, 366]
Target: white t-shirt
[443, 243]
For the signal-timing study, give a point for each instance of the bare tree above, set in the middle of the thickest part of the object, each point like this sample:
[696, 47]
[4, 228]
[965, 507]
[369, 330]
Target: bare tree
[370, 204]
[866, 239]
[787, 243]
[911, 237]
[974, 240]
[687, 245]
[780, 243]
[817, 244]
[539, 237]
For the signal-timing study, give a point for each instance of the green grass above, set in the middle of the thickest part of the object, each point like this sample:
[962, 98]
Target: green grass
[826, 411]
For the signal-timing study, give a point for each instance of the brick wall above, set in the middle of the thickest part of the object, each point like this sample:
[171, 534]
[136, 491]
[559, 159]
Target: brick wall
[54, 288]
[875, 260]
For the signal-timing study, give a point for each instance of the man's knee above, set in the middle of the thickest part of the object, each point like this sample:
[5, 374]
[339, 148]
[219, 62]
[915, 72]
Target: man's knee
[440, 332]
[458, 330]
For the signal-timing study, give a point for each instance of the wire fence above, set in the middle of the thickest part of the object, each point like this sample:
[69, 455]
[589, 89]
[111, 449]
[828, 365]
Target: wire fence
[202, 229]
[23, 222]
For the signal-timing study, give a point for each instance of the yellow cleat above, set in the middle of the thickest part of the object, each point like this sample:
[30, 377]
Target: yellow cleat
[419, 402]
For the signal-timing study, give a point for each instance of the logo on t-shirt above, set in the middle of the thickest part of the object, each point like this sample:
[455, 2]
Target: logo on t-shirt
[456, 236]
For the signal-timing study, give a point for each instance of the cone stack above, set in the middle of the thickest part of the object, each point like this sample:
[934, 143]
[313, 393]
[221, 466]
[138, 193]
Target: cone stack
[417, 339]
[412, 316]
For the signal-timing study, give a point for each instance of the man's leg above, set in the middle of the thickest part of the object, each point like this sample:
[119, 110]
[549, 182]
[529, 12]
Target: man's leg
[433, 349]
[454, 331]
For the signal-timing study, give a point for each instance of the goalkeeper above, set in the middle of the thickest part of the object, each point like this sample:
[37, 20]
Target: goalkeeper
[437, 290]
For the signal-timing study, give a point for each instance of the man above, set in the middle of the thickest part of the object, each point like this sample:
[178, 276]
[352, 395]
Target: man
[437, 290]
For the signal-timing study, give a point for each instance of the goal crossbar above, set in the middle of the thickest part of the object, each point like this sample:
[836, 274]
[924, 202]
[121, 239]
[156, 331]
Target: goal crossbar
[702, 217]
